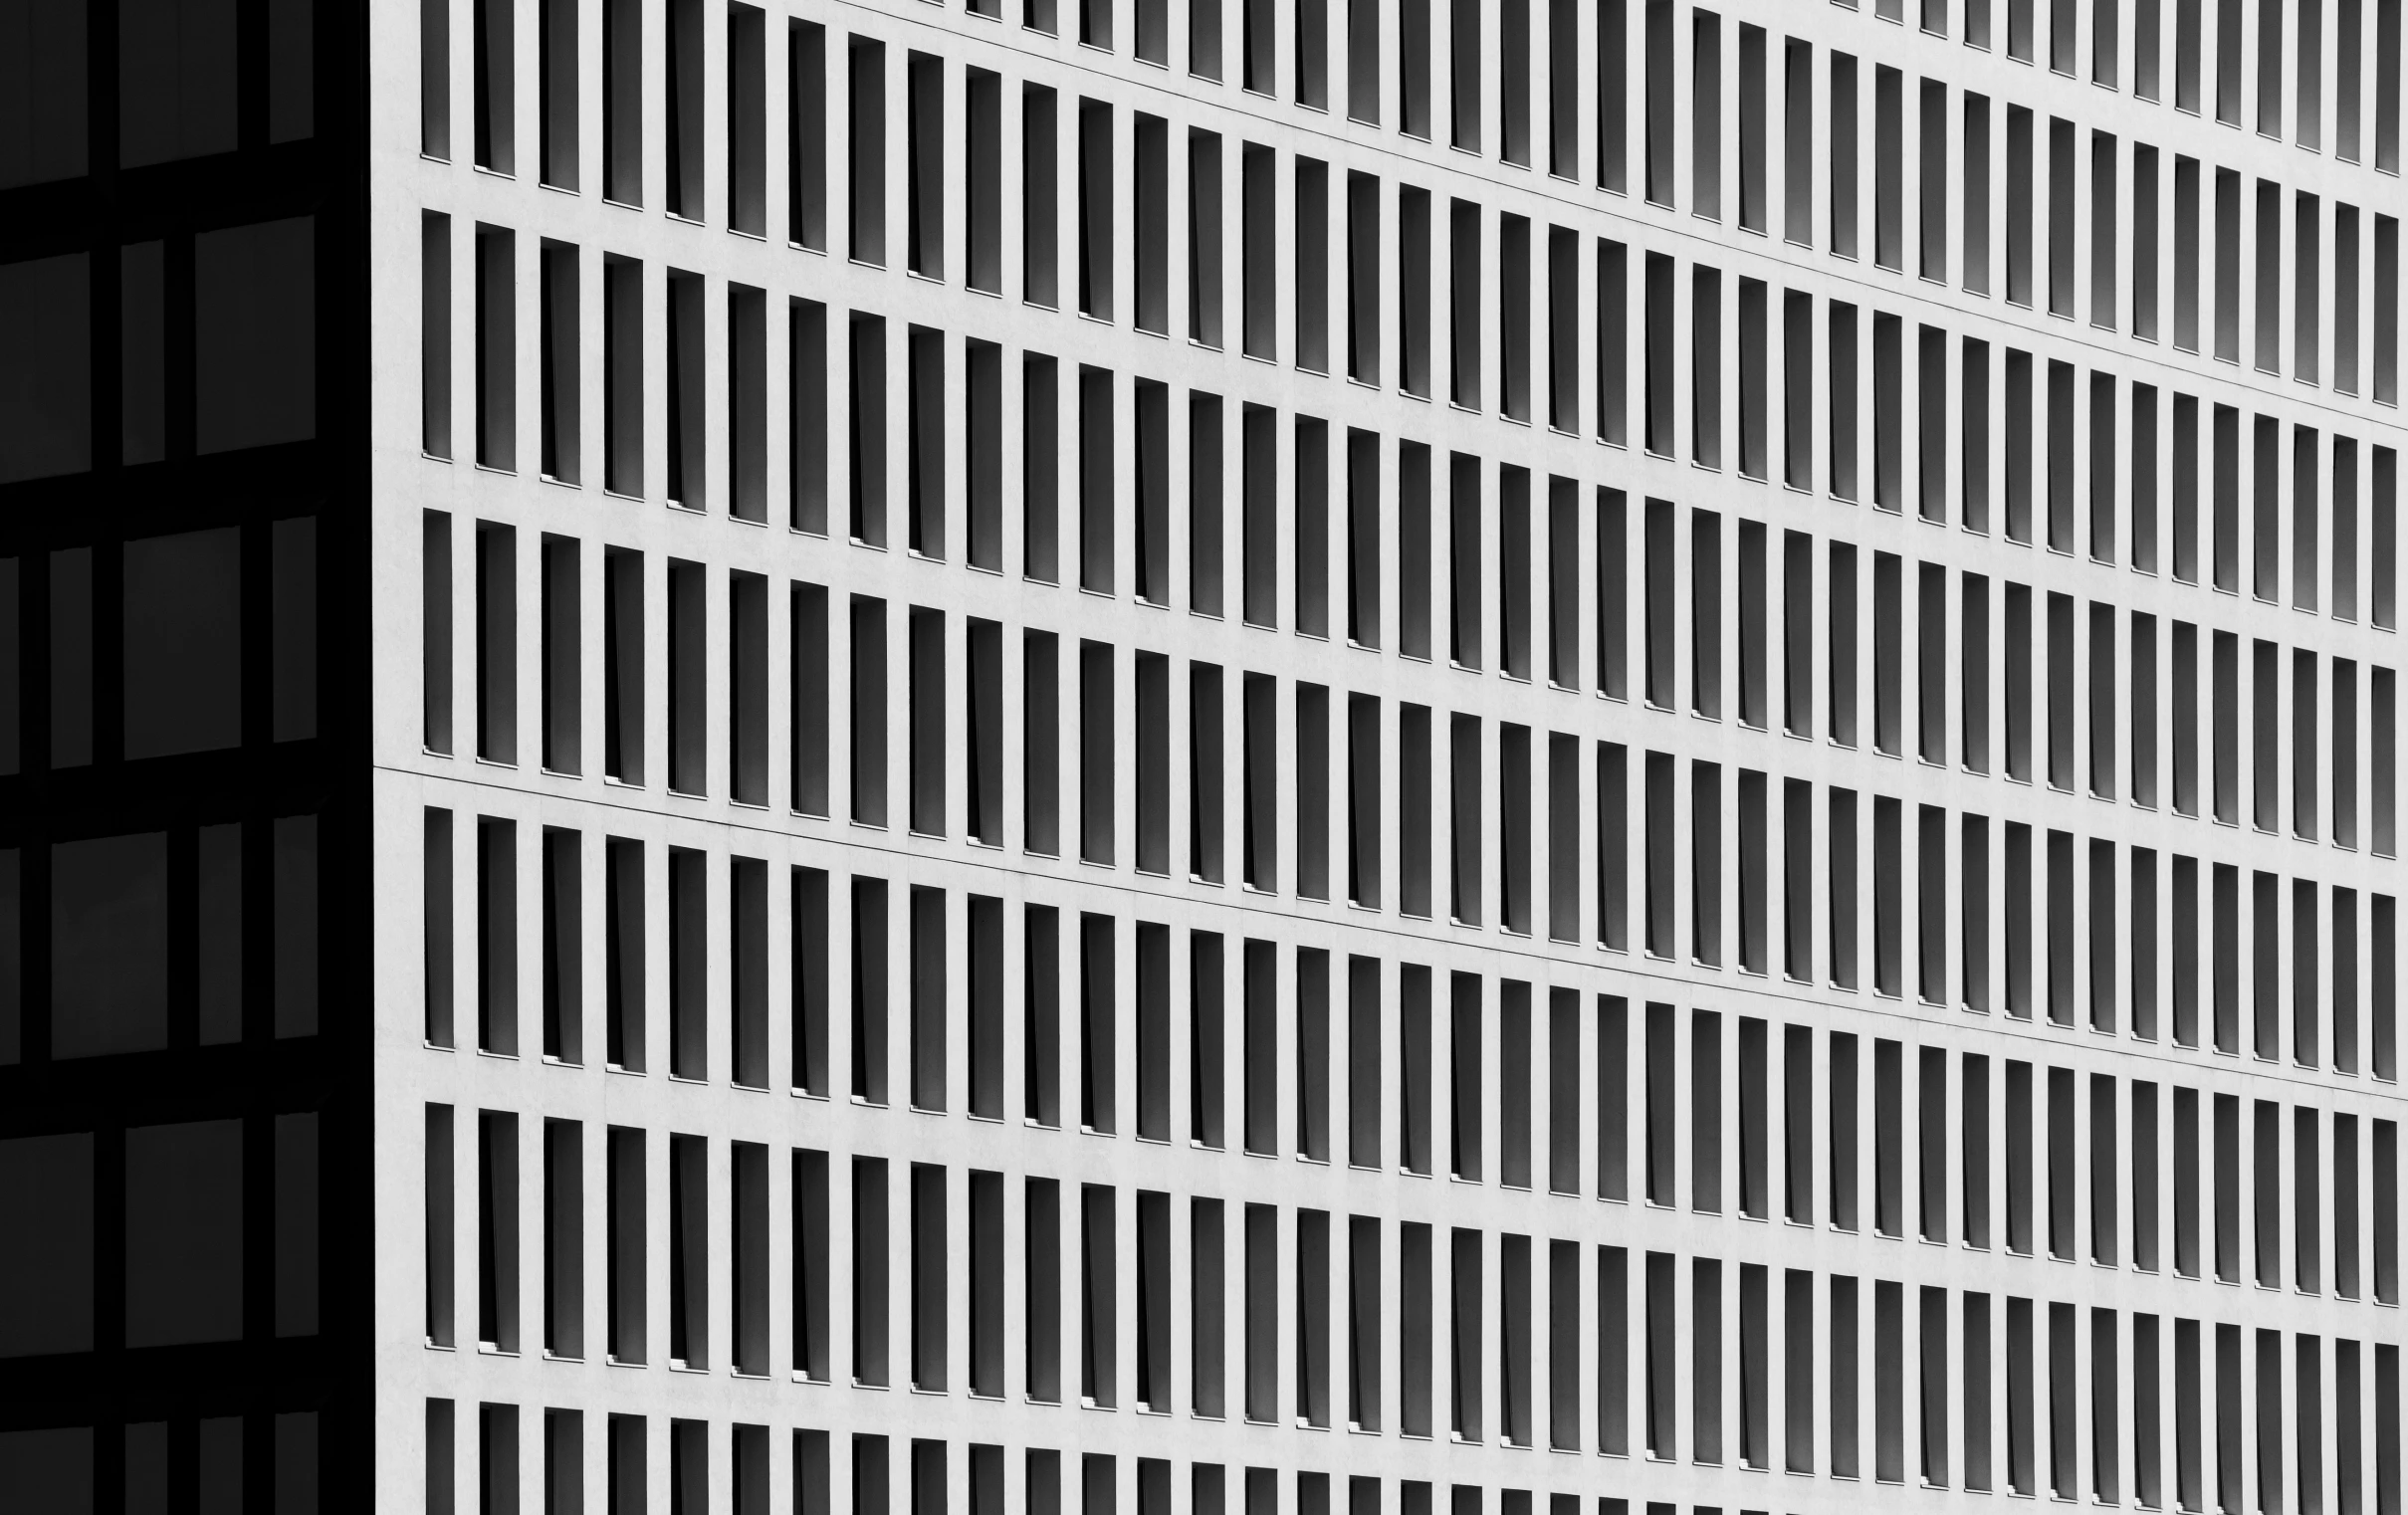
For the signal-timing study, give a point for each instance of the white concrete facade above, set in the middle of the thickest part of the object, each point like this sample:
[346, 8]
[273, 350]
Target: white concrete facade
[1461, 793]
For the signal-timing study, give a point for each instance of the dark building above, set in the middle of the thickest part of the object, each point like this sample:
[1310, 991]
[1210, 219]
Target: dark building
[185, 1036]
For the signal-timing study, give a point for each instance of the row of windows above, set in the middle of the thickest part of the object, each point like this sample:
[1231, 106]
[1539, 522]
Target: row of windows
[1267, 1042]
[2208, 210]
[2080, 464]
[2036, 695]
[2283, 40]
[188, 84]
[211, 348]
[702, 1466]
[213, 1220]
[1795, 640]
[198, 935]
[1390, 809]
[1475, 1323]
[60, 1468]
[2041, 694]
[1910, 137]
[2328, 1023]
[143, 644]
[1291, 55]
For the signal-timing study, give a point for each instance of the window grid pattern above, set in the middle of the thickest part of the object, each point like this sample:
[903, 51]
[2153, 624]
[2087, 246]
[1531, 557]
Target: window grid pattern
[1101, 643]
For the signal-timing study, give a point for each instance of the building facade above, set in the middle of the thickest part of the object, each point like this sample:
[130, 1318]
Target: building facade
[1173, 758]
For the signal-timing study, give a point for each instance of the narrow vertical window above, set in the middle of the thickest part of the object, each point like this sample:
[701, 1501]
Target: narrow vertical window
[745, 110]
[562, 964]
[806, 186]
[689, 695]
[623, 102]
[872, 1274]
[435, 334]
[1040, 210]
[748, 715]
[865, 154]
[682, 107]
[625, 1262]
[623, 376]
[496, 1232]
[496, 355]
[493, 70]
